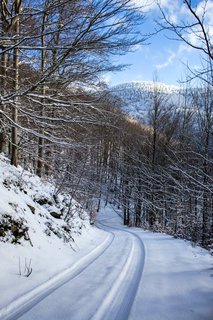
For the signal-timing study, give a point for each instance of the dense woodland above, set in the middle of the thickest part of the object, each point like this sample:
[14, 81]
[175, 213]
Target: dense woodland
[59, 121]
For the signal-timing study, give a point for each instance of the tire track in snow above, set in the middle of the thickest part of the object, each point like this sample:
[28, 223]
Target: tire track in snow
[18, 307]
[117, 304]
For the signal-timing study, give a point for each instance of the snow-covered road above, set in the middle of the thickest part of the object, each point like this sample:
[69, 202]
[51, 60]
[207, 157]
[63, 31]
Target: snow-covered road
[103, 286]
[133, 274]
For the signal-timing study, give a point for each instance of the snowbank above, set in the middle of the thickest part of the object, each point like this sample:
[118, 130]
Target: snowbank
[36, 242]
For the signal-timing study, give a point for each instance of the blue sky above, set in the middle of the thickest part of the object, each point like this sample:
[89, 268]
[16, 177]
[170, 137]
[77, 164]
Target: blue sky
[162, 58]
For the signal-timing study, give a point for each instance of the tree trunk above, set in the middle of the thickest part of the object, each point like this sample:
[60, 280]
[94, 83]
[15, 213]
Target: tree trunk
[43, 91]
[14, 138]
[3, 133]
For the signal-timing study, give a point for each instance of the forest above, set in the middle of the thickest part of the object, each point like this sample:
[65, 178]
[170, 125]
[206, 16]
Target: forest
[60, 121]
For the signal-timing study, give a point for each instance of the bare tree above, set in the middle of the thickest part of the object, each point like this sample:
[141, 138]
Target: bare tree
[194, 30]
[62, 43]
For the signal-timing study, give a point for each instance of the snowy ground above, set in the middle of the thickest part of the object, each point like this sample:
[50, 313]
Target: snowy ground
[176, 279]
[52, 257]
[111, 271]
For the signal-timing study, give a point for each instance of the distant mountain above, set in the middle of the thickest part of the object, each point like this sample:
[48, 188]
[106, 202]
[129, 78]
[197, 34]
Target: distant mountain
[138, 96]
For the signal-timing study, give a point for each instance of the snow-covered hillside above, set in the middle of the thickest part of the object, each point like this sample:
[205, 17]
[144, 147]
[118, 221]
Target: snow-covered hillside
[138, 96]
[57, 268]
[36, 243]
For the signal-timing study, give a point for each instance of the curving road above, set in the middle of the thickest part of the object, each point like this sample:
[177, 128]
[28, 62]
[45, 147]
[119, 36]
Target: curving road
[101, 286]
[117, 281]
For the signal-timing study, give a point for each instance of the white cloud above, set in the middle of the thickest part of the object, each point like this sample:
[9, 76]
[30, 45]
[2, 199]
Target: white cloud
[206, 7]
[178, 14]
[148, 5]
[183, 53]
[145, 5]
[107, 78]
[168, 62]
[138, 47]
[176, 9]
[205, 10]
[184, 48]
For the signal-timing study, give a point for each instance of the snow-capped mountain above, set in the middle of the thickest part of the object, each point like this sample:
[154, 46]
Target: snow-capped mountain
[138, 96]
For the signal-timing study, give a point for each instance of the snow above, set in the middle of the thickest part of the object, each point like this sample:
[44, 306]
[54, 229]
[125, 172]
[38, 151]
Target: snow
[108, 272]
[47, 254]
[177, 281]
[137, 97]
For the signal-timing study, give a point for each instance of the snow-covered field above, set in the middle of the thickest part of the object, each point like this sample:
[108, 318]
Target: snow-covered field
[107, 272]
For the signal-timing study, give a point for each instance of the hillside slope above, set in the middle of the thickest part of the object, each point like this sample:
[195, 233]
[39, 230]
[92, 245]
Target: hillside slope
[137, 96]
[36, 243]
